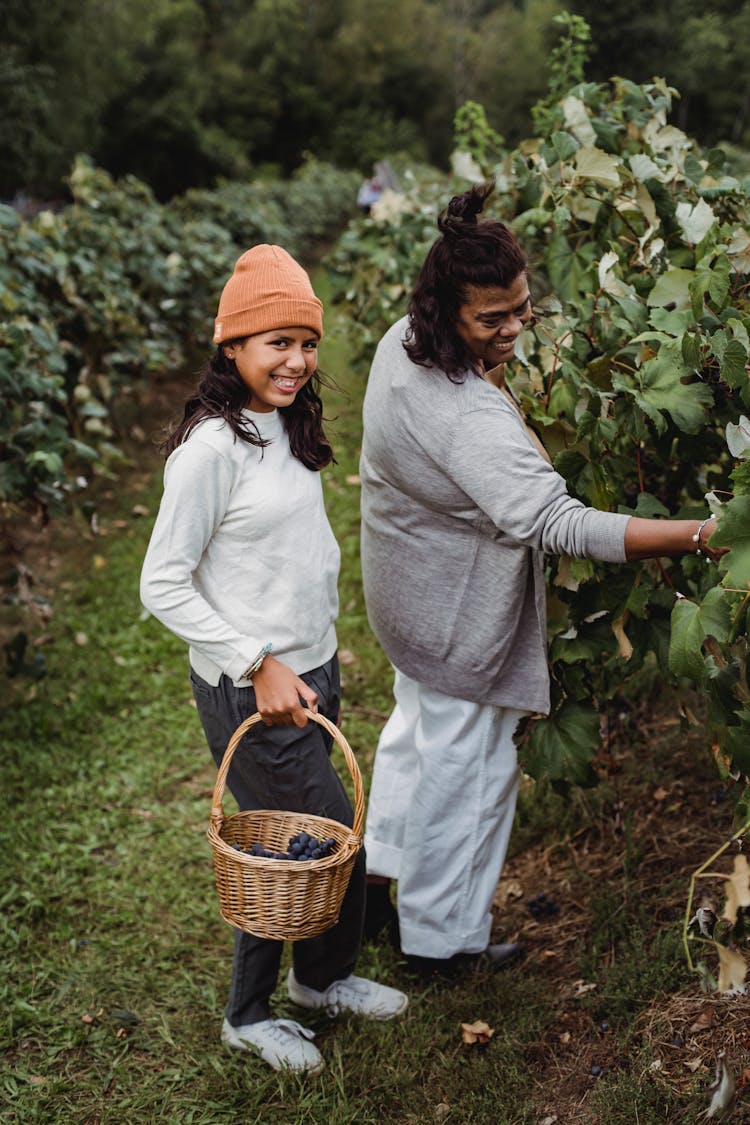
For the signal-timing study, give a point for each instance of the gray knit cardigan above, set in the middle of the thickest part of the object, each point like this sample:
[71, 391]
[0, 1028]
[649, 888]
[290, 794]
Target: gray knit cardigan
[458, 510]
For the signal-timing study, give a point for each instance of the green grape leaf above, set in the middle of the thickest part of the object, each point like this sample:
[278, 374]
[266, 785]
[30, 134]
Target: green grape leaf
[691, 350]
[712, 278]
[734, 532]
[734, 363]
[662, 389]
[561, 747]
[649, 506]
[672, 321]
[691, 624]
[564, 145]
[672, 289]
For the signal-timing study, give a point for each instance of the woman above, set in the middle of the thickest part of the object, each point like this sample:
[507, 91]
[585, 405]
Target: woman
[459, 505]
[242, 563]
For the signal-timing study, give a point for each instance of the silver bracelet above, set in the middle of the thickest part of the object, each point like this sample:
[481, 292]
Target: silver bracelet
[255, 666]
[697, 537]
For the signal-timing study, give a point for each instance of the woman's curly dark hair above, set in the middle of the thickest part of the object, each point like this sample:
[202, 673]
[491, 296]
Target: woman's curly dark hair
[221, 393]
[468, 252]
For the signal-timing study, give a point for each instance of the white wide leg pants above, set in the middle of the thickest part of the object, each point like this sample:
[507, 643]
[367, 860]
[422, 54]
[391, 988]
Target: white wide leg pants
[440, 812]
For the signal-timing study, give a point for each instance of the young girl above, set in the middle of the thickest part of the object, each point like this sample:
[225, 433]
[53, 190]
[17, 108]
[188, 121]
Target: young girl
[243, 566]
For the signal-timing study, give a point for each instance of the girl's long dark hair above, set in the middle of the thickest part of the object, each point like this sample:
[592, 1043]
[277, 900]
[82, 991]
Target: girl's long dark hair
[468, 252]
[221, 393]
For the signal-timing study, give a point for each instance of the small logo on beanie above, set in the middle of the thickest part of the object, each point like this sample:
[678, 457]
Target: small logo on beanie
[217, 331]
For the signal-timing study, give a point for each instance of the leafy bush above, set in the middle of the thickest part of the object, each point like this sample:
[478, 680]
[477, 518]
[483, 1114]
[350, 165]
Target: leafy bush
[117, 286]
[636, 366]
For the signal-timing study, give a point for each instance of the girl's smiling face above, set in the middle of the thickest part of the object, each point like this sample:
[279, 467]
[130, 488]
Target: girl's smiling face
[492, 318]
[275, 365]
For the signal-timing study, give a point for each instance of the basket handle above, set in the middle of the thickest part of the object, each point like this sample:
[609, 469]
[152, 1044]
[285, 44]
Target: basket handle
[217, 812]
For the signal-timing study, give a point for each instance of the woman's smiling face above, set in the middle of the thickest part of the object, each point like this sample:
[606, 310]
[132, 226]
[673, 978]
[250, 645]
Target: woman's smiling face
[492, 318]
[275, 365]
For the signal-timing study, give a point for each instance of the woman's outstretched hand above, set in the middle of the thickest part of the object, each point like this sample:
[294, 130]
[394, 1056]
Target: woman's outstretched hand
[281, 695]
[653, 538]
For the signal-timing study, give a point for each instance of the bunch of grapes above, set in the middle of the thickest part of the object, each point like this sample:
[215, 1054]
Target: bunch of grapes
[542, 907]
[301, 847]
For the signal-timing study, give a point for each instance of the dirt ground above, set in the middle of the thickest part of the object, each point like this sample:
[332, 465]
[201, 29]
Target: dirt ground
[668, 829]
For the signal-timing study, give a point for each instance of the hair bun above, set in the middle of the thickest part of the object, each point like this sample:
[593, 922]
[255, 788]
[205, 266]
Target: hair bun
[463, 209]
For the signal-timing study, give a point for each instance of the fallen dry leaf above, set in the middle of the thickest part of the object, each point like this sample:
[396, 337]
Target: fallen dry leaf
[580, 988]
[660, 793]
[704, 1020]
[506, 890]
[477, 1032]
[353, 478]
[346, 656]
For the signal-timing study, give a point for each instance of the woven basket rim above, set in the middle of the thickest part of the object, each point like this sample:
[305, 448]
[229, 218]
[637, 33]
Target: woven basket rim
[344, 846]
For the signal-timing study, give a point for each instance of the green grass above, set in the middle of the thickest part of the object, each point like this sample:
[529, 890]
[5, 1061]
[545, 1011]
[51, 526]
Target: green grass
[115, 962]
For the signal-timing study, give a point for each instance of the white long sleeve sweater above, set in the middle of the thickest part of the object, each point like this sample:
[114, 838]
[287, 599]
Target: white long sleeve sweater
[242, 553]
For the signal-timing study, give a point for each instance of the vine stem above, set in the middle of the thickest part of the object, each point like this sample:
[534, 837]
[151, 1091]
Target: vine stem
[640, 469]
[665, 577]
[701, 873]
[555, 364]
[740, 611]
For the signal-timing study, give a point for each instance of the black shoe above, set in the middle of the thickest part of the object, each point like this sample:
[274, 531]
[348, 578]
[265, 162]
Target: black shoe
[463, 965]
[381, 916]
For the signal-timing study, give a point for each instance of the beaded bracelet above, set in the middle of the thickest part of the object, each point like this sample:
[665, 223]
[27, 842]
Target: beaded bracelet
[697, 537]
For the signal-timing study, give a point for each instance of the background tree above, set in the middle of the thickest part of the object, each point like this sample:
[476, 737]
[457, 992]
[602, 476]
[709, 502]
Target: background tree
[183, 93]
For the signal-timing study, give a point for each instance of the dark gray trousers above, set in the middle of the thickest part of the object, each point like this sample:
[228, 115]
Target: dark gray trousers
[286, 768]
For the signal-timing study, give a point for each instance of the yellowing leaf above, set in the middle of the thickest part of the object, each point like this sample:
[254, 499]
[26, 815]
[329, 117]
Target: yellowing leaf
[732, 970]
[595, 164]
[577, 120]
[695, 222]
[624, 645]
[477, 1032]
[737, 888]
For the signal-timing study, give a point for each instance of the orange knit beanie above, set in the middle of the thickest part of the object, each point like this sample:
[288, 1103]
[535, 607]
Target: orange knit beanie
[267, 290]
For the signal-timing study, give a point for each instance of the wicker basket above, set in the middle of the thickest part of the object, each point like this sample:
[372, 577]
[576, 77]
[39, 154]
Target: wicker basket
[275, 898]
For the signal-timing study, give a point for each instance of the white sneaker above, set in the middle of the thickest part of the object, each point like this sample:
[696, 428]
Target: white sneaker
[353, 994]
[282, 1043]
